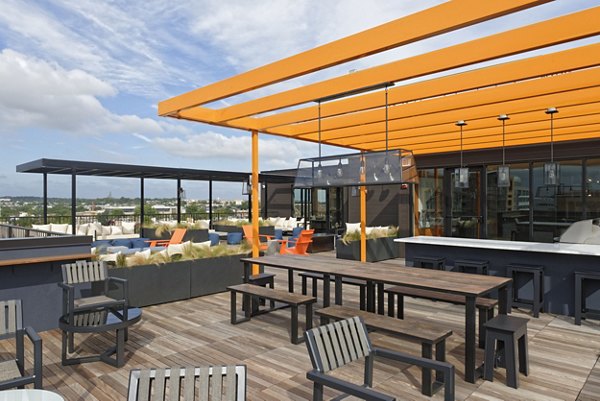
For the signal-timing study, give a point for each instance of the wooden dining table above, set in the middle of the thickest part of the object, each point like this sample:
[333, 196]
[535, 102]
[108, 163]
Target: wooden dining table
[378, 274]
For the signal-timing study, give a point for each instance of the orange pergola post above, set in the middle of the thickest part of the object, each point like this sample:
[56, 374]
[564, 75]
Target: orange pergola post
[255, 250]
[363, 215]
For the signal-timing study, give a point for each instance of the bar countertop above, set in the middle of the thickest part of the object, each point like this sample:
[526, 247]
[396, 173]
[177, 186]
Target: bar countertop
[558, 247]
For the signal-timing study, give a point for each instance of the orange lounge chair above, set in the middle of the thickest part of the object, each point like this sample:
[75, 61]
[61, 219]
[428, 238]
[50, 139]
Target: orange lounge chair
[262, 246]
[301, 244]
[176, 238]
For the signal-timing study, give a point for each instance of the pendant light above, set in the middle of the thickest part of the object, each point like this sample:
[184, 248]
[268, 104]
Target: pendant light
[503, 170]
[340, 170]
[461, 175]
[386, 164]
[551, 170]
[319, 167]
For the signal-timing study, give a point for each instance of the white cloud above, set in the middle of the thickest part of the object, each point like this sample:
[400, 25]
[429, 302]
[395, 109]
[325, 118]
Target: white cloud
[274, 153]
[41, 94]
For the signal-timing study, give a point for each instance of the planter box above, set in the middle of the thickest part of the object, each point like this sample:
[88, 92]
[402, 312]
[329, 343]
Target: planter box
[377, 249]
[194, 235]
[150, 233]
[265, 230]
[227, 229]
[208, 276]
[156, 284]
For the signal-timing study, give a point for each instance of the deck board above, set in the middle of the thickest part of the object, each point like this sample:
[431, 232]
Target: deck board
[563, 357]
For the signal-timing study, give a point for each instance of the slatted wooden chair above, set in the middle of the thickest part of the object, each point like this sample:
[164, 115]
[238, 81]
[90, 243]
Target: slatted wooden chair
[337, 344]
[12, 372]
[208, 383]
[84, 273]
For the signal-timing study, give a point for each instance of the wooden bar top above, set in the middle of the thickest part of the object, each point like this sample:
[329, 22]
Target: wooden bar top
[45, 259]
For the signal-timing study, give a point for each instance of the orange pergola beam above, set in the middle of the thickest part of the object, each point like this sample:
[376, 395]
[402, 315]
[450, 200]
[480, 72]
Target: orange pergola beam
[533, 67]
[531, 37]
[424, 24]
[429, 112]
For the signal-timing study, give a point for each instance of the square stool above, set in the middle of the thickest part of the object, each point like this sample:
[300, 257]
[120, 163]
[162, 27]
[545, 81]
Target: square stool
[470, 265]
[429, 262]
[509, 330]
[580, 307]
[537, 277]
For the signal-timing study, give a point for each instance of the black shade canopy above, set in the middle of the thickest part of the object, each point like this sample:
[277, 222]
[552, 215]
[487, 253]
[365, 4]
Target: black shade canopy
[69, 167]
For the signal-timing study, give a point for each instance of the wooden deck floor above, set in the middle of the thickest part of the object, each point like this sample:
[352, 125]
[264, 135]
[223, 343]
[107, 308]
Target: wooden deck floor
[563, 357]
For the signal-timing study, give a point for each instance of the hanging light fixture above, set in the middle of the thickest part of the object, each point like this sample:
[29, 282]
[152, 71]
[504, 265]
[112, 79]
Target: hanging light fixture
[503, 170]
[461, 175]
[552, 169]
[386, 164]
[319, 167]
[340, 170]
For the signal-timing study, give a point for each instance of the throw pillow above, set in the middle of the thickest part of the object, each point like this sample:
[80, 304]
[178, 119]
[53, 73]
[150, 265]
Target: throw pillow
[352, 227]
[128, 227]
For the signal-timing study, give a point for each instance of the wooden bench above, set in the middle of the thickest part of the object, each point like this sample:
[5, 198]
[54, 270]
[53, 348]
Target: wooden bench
[288, 298]
[425, 333]
[362, 284]
[485, 306]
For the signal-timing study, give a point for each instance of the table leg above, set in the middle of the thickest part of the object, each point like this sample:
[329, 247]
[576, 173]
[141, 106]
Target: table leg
[291, 280]
[338, 290]
[247, 272]
[370, 296]
[120, 354]
[327, 290]
[380, 302]
[503, 308]
[470, 346]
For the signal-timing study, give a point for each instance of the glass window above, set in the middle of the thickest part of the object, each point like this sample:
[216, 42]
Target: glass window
[556, 207]
[592, 189]
[508, 207]
[430, 219]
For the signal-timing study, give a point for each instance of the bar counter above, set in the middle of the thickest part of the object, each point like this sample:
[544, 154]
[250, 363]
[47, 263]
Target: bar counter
[560, 261]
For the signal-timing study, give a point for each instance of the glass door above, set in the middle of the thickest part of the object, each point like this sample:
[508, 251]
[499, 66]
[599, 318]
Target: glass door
[464, 207]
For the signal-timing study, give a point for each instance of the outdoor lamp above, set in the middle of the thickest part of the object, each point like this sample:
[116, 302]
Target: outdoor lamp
[461, 175]
[503, 170]
[552, 169]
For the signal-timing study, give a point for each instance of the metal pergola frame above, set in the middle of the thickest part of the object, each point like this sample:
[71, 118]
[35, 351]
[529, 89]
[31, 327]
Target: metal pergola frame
[422, 114]
[75, 168]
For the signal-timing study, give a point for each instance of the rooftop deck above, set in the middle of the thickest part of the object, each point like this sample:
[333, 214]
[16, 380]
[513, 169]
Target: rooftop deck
[564, 361]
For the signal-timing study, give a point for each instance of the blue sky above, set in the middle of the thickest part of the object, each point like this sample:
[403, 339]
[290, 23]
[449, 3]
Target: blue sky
[81, 79]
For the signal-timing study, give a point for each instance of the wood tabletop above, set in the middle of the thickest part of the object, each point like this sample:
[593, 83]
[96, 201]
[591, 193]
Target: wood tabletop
[45, 259]
[389, 273]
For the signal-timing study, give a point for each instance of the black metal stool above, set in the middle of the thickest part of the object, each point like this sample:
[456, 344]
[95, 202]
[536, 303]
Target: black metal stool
[468, 266]
[429, 262]
[537, 276]
[580, 308]
[509, 330]
[264, 280]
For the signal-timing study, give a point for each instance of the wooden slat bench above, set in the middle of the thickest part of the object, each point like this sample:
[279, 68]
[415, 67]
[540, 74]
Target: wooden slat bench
[362, 284]
[288, 298]
[425, 333]
[485, 306]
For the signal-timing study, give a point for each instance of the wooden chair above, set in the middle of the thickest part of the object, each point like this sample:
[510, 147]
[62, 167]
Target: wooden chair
[213, 383]
[262, 245]
[85, 273]
[337, 344]
[300, 245]
[176, 238]
[12, 372]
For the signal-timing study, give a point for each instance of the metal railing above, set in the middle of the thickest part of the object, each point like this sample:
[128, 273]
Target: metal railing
[28, 221]
[12, 231]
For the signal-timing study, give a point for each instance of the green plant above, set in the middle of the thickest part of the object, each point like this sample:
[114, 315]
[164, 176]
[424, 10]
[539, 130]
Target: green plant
[190, 252]
[382, 232]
